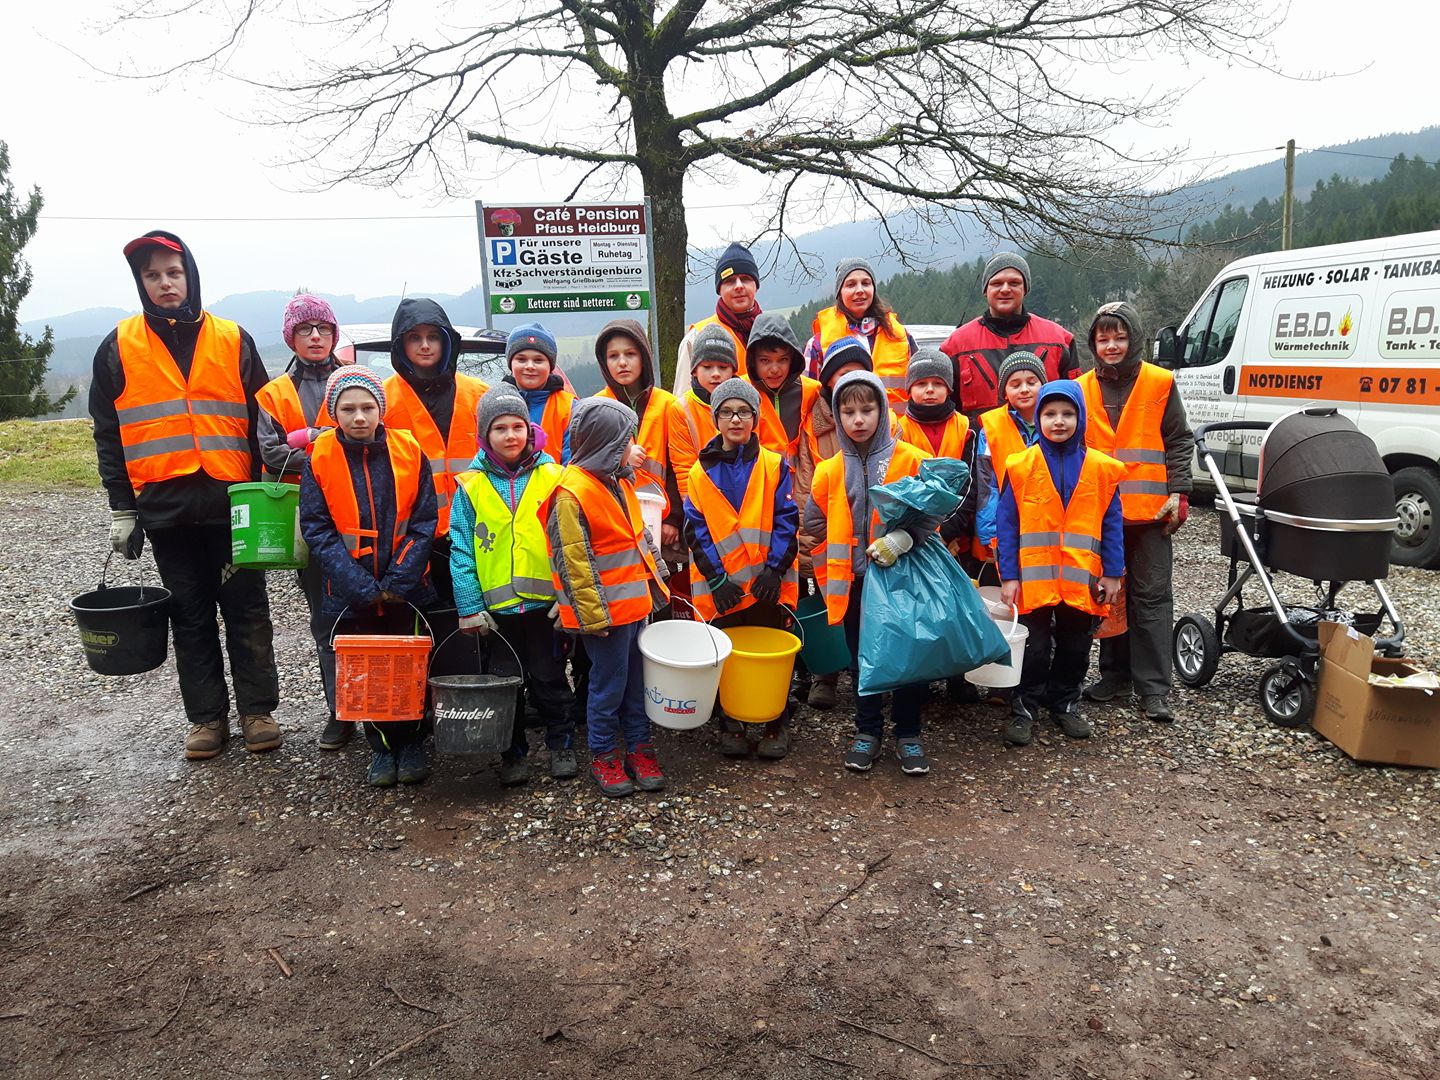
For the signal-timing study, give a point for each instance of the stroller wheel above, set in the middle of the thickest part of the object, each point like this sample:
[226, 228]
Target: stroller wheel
[1196, 650]
[1287, 695]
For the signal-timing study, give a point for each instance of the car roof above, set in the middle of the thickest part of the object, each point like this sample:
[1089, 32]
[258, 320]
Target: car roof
[482, 351]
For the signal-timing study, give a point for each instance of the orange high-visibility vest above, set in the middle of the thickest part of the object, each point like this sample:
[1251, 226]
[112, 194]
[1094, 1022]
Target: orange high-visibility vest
[622, 556]
[665, 436]
[1059, 543]
[700, 420]
[172, 426]
[450, 454]
[281, 401]
[773, 435]
[889, 354]
[1136, 443]
[952, 439]
[332, 473]
[714, 320]
[742, 537]
[833, 571]
[1003, 438]
[555, 420]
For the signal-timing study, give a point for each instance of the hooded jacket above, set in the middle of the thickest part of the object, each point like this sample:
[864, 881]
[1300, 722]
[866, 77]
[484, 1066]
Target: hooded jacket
[436, 389]
[197, 498]
[1063, 460]
[795, 399]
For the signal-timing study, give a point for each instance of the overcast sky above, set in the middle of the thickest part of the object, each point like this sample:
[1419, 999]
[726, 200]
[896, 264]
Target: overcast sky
[114, 158]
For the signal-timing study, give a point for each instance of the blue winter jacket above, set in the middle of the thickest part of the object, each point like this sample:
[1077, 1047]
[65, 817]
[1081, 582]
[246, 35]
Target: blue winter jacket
[985, 516]
[730, 471]
[510, 484]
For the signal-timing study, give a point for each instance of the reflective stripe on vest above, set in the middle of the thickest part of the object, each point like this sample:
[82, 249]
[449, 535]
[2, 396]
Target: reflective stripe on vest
[889, 352]
[700, 419]
[511, 562]
[741, 537]
[280, 399]
[331, 470]
[172, 426]
[713, 320]
[952, 439]
[771, 427]
[1060, 543]
[834, 572]
[449, 455]
[1136, 441]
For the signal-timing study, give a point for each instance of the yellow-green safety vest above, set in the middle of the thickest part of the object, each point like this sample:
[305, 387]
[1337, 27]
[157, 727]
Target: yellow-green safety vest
[511, 559]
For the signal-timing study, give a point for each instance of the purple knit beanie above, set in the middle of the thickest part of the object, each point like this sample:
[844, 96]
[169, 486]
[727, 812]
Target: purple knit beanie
[305, 308]
[353, 375]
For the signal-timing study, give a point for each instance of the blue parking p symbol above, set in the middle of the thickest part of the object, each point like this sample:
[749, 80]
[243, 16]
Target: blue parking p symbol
[502, 252]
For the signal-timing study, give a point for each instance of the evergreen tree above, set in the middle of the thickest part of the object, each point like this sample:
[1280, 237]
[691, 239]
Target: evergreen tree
[22, 359]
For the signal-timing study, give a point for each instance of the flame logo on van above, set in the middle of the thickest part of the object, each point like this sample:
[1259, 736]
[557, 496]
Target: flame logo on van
[1346, 324]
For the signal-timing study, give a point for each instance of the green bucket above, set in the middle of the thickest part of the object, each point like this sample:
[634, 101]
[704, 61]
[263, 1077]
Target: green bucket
[824, 650]
[265, 526]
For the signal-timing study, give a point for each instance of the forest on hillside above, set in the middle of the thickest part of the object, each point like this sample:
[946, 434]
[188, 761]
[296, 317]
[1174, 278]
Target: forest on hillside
[1164, 281]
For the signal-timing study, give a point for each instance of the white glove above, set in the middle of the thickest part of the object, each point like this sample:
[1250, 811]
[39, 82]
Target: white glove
[889, 548]
[124, 527]
[480, 624]
[554, 611]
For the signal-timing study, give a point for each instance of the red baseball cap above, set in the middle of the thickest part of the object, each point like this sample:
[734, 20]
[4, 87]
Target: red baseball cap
[152, 241]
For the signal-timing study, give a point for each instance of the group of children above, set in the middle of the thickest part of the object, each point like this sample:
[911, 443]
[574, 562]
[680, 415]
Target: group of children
[517, 508]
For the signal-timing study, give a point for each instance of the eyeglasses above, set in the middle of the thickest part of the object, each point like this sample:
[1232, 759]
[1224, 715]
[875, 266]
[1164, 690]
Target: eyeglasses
[735, 414]
[308, 328]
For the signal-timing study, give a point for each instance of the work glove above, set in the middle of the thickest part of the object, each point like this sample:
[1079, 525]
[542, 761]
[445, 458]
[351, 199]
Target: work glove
[126, 536]
[767, 586]
[300, 438]
[480, 624]
[726, 595]
[554, 612]
[1174, 512]
[888, 549]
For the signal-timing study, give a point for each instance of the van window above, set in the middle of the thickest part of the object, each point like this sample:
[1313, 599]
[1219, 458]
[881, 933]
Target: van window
[1212, 331]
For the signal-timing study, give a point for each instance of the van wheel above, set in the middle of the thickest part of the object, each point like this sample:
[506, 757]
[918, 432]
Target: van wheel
[1417, 505]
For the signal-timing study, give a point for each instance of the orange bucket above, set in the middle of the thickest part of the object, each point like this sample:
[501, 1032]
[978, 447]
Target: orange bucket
[380, 677]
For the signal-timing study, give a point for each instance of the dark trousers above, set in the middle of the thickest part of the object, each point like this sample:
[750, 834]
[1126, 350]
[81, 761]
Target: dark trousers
[1141, 655]
[532, 635]
[1057, 653]
[312, 584]
[905, 702]
[444, 619]
[580, 677]
[757, 614]
[391, 735]
[617, 690]
[193, 561]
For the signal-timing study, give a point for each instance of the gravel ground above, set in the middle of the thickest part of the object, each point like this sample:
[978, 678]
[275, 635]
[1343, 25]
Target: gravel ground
[1221, 898]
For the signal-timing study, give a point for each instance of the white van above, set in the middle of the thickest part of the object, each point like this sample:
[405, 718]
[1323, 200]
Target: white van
[1352, 325]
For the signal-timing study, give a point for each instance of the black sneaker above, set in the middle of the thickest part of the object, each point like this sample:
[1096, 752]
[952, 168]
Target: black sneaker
[862, 754]
[383, 770]
[1157, 708]
[1020, 731]
[1072, 724]
[563, 765]
[1107, 689]
[412, 768]
[336, 734]
[913, 761]
[514, 771]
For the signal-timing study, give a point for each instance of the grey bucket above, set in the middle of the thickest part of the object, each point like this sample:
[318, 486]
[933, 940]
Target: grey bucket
[474, 714]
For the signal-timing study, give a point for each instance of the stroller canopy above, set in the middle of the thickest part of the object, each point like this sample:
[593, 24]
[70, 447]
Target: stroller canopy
[1318, 464]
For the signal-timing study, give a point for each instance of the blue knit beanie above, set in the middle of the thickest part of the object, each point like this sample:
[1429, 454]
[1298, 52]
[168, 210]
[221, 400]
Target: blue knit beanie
[531, 336]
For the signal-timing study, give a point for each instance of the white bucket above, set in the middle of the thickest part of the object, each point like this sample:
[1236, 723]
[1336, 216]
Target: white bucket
[990, 597]
[683, 661]
[652, 511]
[999, 675]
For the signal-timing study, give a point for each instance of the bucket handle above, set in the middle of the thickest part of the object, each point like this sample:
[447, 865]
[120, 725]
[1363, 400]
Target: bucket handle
[479, 654]
[105, 574]
[407, 603]
[1014, 622]
[795, 618]
[701, 618]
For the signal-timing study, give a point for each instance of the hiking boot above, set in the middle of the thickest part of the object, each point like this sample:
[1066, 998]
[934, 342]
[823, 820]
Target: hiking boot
[644, 769]
[261, 733]
[1021, 728]
[1072, 724]
[775, 743]
[514, 771]
[822, 694]
[1107, 689]
[608, 772]
[336, 734]
[1157, 708]
[563, 765]
[862, 754]
[913, 761]
[732, 738]
[207, 740]
[412, 767]
[383, 770]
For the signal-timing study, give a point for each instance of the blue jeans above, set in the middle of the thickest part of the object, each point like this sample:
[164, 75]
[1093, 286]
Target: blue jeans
[617, 690]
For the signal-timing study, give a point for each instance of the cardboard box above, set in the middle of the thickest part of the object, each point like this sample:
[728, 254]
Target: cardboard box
[1390, 724]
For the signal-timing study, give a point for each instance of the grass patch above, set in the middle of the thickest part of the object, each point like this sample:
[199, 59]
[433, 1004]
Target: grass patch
[46, 455]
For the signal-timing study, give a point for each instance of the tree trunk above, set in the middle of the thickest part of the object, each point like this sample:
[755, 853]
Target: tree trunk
[663, 176]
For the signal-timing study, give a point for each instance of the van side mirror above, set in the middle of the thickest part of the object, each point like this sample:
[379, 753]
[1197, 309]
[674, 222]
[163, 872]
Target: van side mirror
[1167, 347]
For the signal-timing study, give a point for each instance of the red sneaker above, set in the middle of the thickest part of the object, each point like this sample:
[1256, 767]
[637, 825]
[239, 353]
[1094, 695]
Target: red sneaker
[642, 765]
[608, 772]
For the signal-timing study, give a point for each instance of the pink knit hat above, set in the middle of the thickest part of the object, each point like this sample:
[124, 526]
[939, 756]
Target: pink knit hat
[349, 377]
[305, 308]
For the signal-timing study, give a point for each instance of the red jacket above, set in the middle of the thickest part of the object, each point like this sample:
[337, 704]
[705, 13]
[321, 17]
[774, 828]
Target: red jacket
[981, 346]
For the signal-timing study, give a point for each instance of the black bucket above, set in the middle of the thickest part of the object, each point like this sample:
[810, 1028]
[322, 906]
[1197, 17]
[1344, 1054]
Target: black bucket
[474, 714]
[124, 629]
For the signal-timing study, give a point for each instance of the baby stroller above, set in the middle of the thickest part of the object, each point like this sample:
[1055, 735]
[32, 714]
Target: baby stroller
[1324, 509]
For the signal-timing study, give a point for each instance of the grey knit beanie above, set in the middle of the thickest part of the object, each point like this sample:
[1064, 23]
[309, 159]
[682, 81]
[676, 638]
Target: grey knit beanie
[845, 267]
[713, 343]
[1006, 260]
[731, 389]
[930, 364]
[500, 400]
[1020, 361]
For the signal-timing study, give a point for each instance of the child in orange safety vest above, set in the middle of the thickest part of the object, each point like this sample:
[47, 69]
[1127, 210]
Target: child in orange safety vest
[713, 354]
[1061, 555]
[368, 511]
[741, 526]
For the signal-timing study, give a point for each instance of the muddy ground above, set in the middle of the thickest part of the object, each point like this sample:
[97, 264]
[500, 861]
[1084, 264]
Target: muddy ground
[1217, 899]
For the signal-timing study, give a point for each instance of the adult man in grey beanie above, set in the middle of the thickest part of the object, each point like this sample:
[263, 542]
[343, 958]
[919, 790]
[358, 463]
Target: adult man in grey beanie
[980, 346]
[737, 282]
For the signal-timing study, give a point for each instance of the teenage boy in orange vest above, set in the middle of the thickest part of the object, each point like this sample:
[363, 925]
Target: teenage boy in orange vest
[1061, 556]
[368, 511]
[846, 531]
[531, 354]
[740, 526]
[173, 397]
[607, 580]
[1138, 417]
[713, 353]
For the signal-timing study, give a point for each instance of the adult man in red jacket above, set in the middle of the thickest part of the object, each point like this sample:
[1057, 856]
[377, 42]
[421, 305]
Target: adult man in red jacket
[979, 347]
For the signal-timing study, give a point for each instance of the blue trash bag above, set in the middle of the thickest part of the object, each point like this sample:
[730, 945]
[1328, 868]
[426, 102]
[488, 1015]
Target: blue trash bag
[923, 619]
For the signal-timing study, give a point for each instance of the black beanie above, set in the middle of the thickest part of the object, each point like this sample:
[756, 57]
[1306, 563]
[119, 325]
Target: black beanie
[736, 259]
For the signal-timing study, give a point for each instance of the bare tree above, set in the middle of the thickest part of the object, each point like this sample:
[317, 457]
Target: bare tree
[1001, 111]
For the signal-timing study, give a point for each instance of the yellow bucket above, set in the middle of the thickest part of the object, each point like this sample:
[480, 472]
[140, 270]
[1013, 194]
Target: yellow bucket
[755, 685]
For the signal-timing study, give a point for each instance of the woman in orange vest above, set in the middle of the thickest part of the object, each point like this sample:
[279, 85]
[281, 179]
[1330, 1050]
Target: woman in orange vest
[859, 310]
[368, 511]
[531, 354]
[1138, 418]
[741, 528]
[1061, 556]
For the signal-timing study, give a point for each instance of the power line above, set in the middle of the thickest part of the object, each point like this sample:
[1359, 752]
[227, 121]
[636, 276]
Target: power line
[1356, 153]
